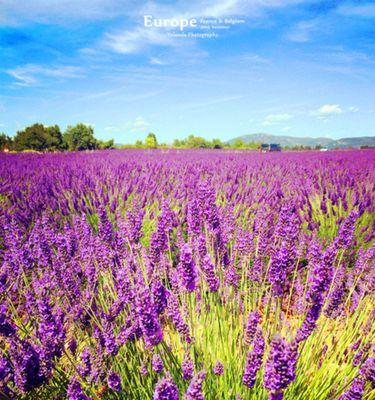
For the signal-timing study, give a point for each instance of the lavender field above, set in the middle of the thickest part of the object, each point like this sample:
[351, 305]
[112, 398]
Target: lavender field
[187, 275]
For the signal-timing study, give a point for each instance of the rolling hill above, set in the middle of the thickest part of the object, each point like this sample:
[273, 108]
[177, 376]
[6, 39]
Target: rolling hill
[307, 141]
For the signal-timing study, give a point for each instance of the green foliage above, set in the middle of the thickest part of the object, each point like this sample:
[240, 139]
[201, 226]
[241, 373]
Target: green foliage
[109, 144]
[6, 142]
[80, 137]
[38, 137]
[151, 142]
[54, 138]
[240, 144]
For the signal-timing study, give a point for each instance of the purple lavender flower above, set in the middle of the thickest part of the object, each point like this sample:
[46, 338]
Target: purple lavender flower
[187, 268]
[251, 327]
[194, 391]
[278, 270]
[114, 381]
[346, 232]
[166, 389]
[5, 369]
[178, 321]
[159, 296]
[218, 368]
[367, 370]
[157, 363]
[187, 367]
[355, 391]
[86, 362]
[148, 319]
[254, 360]
[208, 270]
[6, 328]
[281, 365]
[309, 324]
[27, 366]
[75, 391]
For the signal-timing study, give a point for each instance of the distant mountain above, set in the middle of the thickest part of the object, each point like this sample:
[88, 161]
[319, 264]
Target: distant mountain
[291, 141]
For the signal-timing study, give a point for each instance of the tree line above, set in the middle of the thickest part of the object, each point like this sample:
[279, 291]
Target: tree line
[39, 137]
[191, 142]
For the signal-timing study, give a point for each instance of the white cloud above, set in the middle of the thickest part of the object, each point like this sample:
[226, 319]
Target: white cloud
[254, 58]
[136, 40]
[327, 110]
[30, 74]
[353, 109]
[302, 31]
[286, 129]
[138, 125]
[157, 61]
[273, 119]
[366, 10]
[209, 102]
[60, 11]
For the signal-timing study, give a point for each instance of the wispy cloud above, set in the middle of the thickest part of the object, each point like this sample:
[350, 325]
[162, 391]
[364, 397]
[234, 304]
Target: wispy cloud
[158, 61]
[138, 125]
[209, 102]
[273, 119]
[30, 74]
[353, 109]
[61, 11]
[363, 10]
[133, 41]
[328, 110]
[302, 31]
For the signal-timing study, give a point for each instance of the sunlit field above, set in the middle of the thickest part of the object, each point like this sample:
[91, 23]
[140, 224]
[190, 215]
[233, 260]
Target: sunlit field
[187, 275]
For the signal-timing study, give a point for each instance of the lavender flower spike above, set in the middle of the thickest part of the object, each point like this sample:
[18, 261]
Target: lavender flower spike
[254, 360]
[280, 368]
[166, 389]
[194, 391]
[188, 269]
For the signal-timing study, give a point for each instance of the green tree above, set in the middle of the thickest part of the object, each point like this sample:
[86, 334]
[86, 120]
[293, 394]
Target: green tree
[151, 142]
[105, 145]
[196, 142]
[54, 138]
[178, 143]
[6, 142]
[34, 137]
[238, 144]
[217, 144]
[80, 137]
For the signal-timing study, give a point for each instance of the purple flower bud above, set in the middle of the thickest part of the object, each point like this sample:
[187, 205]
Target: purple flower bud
[281, 365]
[187, 367]
[114, 381]
[6, 328]
[148, 319]
[166, 389]
[355, 391]
[75, 391]
[278, 270]
[187, 268]
[194, 391]
[254, 360]
[251, 327]
[208, 270]
[218, 368]
[157, 364]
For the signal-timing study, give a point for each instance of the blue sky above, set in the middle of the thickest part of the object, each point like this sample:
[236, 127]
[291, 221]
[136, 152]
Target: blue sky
[291, 67]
